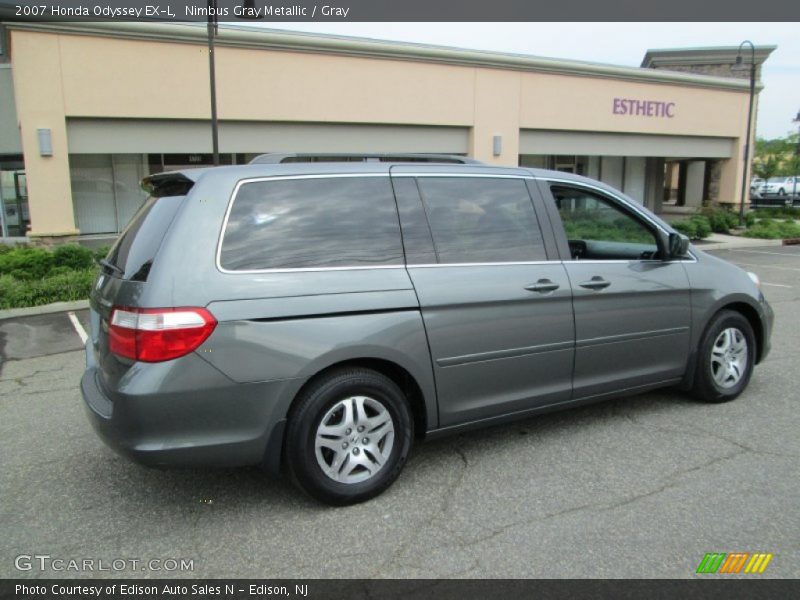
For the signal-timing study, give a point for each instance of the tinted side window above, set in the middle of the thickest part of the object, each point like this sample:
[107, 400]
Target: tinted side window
[597, 229]
[476, 219]
[308, 223]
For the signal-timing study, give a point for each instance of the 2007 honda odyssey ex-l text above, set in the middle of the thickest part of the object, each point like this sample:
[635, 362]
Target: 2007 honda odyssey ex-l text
[317, 317]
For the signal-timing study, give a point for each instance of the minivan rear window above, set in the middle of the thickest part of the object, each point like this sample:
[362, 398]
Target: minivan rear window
[134, 251]
[312, 223]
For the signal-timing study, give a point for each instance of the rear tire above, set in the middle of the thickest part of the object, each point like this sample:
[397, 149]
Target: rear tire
[725, 358]
[348, 436]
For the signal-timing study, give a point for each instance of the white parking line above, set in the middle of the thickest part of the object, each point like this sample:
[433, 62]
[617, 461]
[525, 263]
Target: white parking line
[765, 252]
[78, 327]
[741, 264]
[777, 285]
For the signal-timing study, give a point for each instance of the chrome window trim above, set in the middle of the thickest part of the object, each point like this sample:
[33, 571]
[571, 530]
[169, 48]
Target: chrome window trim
[231, 200]
[311, 269]
[482, 264]
[483, 175]
[603, 191]
[632, 260]
[546, 262]
[239, 184]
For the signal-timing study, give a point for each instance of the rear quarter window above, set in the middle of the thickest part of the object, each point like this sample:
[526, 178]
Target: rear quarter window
[312, 223]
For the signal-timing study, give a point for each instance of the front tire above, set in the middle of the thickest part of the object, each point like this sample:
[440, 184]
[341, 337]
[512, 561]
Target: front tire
[725, 358]
[348, 436]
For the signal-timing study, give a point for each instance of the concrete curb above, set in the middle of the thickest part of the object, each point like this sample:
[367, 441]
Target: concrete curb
[45, 309]
[718, 241]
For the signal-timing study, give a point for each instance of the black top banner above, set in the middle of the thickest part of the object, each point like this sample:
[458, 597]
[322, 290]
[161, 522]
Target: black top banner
[402, 10]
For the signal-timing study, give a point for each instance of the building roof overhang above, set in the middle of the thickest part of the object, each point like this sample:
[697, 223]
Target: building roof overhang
[666, 57]
[281, 40]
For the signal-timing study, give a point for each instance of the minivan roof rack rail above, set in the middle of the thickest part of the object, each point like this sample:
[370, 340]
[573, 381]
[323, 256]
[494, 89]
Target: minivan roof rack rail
[312, 157]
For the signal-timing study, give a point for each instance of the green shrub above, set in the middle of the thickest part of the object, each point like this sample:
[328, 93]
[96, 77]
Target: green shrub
[13, 292]
[61, 287]
[776, 212]
[101, 252]
[582, 225]
[73, 257]
[702, 226]
[749, 219]
[36, 261]
[773, 230]
[33, 276]
[721, 220]
[695, 228]
[687, 227]
[62, 270]
[21, 274]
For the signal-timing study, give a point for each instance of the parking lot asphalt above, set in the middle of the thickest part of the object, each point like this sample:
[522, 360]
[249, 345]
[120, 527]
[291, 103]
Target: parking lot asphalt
[635, 487]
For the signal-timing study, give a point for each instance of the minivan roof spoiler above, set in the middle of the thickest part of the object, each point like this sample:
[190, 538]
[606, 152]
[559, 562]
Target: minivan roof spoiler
[275, 158]
[175, 183]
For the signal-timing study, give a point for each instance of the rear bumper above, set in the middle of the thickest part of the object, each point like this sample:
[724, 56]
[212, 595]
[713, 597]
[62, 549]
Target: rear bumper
[214, 422]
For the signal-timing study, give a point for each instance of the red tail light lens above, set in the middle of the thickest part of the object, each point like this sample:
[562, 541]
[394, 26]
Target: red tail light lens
[158, 334]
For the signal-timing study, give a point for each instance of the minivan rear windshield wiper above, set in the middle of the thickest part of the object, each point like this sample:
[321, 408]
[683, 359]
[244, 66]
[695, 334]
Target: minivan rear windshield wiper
[111, 266]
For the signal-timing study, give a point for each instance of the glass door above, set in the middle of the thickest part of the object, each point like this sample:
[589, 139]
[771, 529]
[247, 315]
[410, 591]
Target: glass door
[14, 201]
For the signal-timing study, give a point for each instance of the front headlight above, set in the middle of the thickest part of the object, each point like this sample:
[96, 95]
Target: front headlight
[754, 278]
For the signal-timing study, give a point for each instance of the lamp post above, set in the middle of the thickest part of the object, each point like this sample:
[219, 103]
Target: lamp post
[213, 28]
[795, 175]
[740, 66]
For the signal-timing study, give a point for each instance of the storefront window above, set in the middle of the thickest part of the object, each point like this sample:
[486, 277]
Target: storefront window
[14, 217]
[158, 163]
[105, 190]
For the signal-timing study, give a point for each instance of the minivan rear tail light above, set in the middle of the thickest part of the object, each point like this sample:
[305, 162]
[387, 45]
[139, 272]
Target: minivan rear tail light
[158, 334]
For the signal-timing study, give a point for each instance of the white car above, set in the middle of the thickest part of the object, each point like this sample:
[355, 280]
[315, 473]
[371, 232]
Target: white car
[781, 185]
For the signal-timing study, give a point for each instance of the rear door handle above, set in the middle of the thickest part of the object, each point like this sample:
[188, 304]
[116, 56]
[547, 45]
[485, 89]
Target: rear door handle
[542, 286]
[595, 283]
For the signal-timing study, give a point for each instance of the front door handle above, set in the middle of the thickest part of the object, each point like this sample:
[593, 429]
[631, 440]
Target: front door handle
[595, 283]
[542, 286]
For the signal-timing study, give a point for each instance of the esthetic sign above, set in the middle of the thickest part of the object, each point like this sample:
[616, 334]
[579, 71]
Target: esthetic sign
[644, 108]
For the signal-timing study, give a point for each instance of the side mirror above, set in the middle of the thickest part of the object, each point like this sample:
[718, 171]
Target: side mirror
[678, 245]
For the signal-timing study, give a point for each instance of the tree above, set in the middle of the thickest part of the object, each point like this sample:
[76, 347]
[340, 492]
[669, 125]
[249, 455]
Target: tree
[766, 167]
[777, 157]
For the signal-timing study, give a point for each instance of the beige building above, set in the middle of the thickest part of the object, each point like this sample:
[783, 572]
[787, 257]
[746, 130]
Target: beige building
[87, 110]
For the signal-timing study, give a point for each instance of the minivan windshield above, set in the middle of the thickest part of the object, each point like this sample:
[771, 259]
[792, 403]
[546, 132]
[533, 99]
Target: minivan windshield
[134, 251]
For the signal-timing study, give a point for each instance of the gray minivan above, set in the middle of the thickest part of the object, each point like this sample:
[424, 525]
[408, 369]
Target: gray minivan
[317, 317]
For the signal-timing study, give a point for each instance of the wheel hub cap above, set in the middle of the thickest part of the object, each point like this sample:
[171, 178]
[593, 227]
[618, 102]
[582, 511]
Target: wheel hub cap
[729, 357]
[354, 439]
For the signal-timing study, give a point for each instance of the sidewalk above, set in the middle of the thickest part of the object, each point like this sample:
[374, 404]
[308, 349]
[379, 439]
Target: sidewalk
[719, 241]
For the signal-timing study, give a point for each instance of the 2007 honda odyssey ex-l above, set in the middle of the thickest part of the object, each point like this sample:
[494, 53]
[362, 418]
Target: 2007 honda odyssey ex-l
[320, 316]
